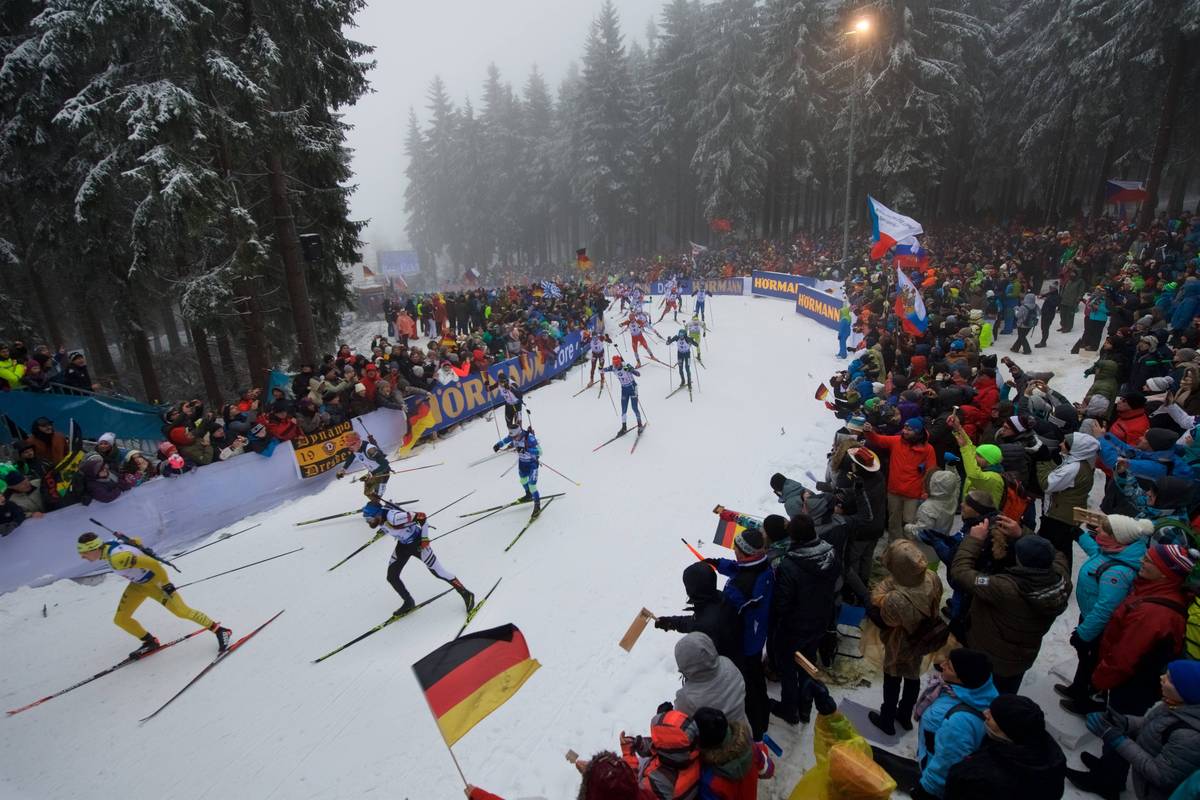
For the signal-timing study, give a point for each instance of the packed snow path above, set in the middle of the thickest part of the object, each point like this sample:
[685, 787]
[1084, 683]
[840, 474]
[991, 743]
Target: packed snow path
[270, 724]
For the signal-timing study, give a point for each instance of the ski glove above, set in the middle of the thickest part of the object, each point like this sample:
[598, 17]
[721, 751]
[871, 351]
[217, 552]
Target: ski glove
[168, 589]
[420, 517]
[496, 447]
[1106, 726]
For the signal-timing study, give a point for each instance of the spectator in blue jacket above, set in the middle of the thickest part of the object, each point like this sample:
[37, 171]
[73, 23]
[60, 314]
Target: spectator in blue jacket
[1115, 555]
[1168, 498]
[749, 588]
[1186, 305]
[952, 726]
[1154, 456]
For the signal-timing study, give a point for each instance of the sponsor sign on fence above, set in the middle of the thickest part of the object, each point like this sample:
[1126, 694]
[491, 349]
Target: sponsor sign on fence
[823, 307]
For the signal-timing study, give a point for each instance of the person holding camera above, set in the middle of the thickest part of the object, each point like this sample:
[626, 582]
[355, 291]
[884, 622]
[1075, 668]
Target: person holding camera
[1013, 608]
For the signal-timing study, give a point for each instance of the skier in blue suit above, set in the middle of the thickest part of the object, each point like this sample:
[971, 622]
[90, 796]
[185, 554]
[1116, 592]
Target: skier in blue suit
[529, 453]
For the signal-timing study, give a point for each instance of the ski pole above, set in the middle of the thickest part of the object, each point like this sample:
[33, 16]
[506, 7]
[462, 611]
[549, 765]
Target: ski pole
[510, 467]
[401, 471]
[452, 502]
[244, 566]
[559, 474]
[123, 539]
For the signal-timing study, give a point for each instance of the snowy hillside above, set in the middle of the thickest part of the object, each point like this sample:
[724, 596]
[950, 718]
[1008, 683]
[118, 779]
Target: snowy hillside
[267, 723]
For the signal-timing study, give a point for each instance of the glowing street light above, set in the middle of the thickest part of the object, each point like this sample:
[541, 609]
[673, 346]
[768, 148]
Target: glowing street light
[861, 29]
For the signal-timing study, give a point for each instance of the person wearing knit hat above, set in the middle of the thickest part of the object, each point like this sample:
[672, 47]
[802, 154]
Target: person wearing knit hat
[980, 465]
[1145, 630]
[1162, 745]
[1017, 759]
[911, 460]
[1160, 384]
[948, 731]
[1115, 554]
[1131, 422]
[749, 588]
[789, 492]
[1158, 440]
[606, 776]
[1183, 355]
[1012, 606]
[711, 612]
[727, 757]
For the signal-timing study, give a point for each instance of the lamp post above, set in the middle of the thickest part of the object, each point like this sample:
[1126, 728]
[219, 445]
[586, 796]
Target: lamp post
[862, 27]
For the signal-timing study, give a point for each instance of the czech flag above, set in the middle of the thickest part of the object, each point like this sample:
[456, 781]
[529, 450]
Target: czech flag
[1124, 191]
[470, 677]
[888, 228]
[910, 254]
[910, 308]
[420, 420]
[726, 533]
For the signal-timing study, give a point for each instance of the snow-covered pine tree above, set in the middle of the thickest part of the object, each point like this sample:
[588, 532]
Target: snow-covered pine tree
[729, 158]
[604, 173]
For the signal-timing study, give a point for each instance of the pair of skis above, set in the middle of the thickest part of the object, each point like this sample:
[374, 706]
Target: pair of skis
[130, 660]
[397, 617]
[636, 439]
[484, 513]
[681, 386]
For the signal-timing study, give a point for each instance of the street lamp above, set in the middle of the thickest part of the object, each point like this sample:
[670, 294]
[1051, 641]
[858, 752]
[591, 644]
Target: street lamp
[862, 27]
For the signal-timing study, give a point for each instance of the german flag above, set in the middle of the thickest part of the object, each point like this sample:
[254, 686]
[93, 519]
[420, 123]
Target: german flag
[581, 259]
[470, 677]
[419, 420]
[727, 532]
[822, 392]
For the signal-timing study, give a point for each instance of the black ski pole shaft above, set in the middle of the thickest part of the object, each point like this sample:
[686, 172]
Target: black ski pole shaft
[452, 502]
[244, 566]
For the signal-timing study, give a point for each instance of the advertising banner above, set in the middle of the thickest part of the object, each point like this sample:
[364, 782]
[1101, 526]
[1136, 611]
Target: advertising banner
[711, 285]
[775, 284]
[814, 304]
[399, 263]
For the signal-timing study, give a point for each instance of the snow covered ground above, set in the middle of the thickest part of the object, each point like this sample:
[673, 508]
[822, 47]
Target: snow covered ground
[267, 723]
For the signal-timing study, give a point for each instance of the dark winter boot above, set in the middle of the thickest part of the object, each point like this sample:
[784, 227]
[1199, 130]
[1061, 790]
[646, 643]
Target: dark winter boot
[1095, 783]
[467, 596]
[908, 700]
[624, 428]
[885, 718]
[223, 636]
[149, 645]
[409, 604]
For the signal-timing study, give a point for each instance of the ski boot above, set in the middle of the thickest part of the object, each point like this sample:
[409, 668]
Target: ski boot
[528, 496]
[537, 507]
[149, 645]
[641, 426]
[467, 596]
[624, 428]
[223, 636]
[409, 605]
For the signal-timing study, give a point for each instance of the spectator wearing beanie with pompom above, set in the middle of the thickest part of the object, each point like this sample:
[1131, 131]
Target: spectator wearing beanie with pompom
[749, 588]
[1162, 747]
[1115, 554]
[1018, 758]
[1145, 631]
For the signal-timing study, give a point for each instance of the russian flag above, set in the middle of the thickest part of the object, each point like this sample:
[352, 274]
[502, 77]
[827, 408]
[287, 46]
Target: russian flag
[909, 253]
[1124, 191]
[888, 228]
[910, 307]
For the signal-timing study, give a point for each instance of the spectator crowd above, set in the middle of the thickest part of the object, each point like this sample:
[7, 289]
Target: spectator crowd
[465, 332]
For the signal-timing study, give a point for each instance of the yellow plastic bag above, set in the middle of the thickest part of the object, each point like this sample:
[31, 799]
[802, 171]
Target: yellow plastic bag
[845, 769]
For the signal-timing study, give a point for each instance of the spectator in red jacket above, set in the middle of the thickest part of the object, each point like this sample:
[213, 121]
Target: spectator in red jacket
[279, 424]
[987, 393]
[911, 459]
[1143, 635]
[605, 777]
[1131, 422]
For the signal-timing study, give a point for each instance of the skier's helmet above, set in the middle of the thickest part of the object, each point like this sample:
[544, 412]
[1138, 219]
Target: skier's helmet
[503, 378]
[616, 361]
[373, 514]
[682, 332]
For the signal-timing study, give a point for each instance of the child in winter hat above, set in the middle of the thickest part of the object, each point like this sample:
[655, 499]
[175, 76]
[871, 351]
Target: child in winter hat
[1126, 530]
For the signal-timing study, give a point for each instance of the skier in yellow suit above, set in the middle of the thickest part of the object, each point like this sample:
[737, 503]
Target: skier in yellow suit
[147, 581]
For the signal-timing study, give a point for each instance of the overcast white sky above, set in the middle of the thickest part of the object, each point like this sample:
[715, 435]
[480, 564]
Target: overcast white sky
[417, 39]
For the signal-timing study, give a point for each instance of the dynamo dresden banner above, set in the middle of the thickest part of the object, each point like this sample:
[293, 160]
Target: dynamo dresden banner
[824, 308]
[711, 285]
[325, 450]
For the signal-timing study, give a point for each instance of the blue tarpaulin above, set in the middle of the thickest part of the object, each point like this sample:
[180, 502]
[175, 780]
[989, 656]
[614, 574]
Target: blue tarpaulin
[94, 414]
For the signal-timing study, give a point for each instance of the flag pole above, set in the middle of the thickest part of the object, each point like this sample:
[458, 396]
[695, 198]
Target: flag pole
[445, 741]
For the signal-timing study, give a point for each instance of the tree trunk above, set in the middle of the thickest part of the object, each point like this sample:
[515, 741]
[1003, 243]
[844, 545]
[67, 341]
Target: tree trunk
[225, 354]
[94, 338]
[1110, 154]
[1183, 175]
[253, 331]
[141, 353]
[208, 372]
[1162, 142]
[288, 245]
[170, 326]
[48, 312]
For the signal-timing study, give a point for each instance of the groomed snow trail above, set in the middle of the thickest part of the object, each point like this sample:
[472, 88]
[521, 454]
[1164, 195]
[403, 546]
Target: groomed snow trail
[267, 723]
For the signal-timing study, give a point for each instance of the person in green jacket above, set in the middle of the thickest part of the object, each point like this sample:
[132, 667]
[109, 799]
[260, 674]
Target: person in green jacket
[981, 464]
[1105, 382]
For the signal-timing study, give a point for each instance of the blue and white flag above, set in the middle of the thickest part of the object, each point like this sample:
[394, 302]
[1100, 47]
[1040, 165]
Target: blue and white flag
[551, 289]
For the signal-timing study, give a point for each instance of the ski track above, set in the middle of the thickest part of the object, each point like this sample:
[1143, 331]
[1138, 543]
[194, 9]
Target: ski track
[269, 724]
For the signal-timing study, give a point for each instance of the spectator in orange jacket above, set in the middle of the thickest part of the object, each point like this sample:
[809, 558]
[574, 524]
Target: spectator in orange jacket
[911, 459]
[605, 777]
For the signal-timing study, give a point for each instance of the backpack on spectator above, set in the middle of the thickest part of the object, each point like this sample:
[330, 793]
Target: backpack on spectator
[1015, 501]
